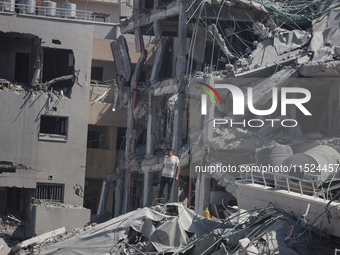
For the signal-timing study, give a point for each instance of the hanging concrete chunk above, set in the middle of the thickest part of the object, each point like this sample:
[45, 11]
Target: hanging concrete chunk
[122, 59]
[261, 31]
[175, 102]
[213, 32]
[140, 111]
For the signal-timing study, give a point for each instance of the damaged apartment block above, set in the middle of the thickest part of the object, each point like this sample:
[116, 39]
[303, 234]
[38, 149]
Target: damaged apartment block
[44, 104]
[261, 45]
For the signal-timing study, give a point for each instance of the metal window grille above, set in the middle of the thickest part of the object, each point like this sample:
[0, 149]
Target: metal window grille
[48, 191]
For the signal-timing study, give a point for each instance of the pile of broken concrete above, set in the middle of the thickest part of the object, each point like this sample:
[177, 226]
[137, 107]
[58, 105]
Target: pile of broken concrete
[175, 229]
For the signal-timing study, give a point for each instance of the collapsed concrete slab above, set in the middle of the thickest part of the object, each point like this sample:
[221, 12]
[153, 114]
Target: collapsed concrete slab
[173, 228]
[38, 239]
[122, 59]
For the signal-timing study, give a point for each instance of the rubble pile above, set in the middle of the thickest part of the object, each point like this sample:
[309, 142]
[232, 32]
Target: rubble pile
[175, 229]
[8, 224]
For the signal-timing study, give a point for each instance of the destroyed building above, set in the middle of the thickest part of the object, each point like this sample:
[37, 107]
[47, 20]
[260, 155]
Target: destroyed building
[282, 59]
[107, 126]
[264, 45]
[54, 56]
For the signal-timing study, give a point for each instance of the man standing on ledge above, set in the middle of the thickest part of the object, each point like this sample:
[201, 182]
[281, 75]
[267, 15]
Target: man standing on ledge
[170, 168]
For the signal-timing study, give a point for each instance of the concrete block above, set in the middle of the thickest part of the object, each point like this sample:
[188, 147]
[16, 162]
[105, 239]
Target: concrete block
[64, 215]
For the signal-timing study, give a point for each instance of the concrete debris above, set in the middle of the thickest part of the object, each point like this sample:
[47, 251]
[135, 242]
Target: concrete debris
[140, 111]
[303, 60]
[315, 68]
[37, 244]
[287, 44]
[261, 31]
[122, 58]
[175, 102]
[213, 32]
[174, 228]
[59, 79]
[230, 70]
[226, 180]
[164, 87]
[241, 133]
[287, 41]
[152, 165]
[38, 239]
[9, 224]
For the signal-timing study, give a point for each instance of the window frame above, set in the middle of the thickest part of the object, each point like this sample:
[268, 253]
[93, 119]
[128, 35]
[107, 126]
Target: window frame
[54, 136]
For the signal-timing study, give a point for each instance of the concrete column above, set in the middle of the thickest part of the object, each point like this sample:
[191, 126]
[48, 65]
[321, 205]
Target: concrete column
[137, 40]
[199, 48]
[127, 156]
[118, 197]
[180, 72]
[202, 191]
[176, 147]
[182, 37]
[150, 141]
[36, 62]
[207, 126]
[147, 193]
[157, 66]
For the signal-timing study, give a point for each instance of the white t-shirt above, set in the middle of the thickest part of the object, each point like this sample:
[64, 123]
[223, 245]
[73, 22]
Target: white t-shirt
[170, 166]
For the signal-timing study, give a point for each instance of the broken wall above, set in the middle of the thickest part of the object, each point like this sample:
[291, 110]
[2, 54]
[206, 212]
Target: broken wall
[48, 161]
[48, 218]
[15, 52]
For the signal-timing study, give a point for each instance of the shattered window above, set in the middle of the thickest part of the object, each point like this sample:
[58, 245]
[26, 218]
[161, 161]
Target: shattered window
[58, 70]
[48, 191]
[97, 137]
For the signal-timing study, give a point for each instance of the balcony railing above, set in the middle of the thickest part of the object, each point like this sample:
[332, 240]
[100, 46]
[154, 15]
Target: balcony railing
[46, 11]
[312, 187]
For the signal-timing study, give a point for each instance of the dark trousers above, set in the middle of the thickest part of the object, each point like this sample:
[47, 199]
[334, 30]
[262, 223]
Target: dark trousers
[165, 180]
